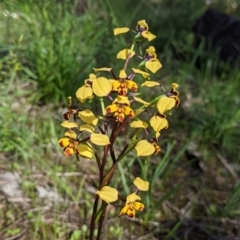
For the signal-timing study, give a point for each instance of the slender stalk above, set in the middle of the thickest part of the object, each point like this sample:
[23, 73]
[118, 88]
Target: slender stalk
[102, 106]
[92, 225]
[127, 60]
[118, 130]
[107, 178]
[129, 55]
[98, 161]
[101, 220]
[104, 160]
[112, 153]
[115, 126]
[123, 151]
[128, 150]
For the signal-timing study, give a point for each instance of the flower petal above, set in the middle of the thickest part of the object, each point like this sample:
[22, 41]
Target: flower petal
[150, 84]
[138, 124]
[151, 52]
[144, 148]
[138, 206]
[144, 74]
[120, 30]
[108, 194]
[87, 128]
[87, 116]
[111, 108]
[122, 74]
[99, 139]
[153, 66]
[101, 86]
[132, 85]
[131, 212]
[132, 198]
[115, 84]
[141, 184]
[165, 103]
[123, 54]
[158, 123]
[68, 124]
[68, 151]
[122, 100]
[70, 134]
[142, 24]
[141, 101]
[64, 142]
[128, 111]
[85, 150]
[84, 93]
[148, 35]
[104, 69]
[124, 210]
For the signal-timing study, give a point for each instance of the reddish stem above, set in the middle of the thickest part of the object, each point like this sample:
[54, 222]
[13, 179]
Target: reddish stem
[92, 225]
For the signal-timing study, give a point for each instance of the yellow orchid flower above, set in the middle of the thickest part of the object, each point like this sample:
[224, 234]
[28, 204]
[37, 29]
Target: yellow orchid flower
[151, 61]
[173, 93]
[69, 145]
[132, 205]
[99, 86]
[122, 84]
[168, 101]
[125, 53]
[142, 28]
[121, 108]
[85, 92]
[72, 146]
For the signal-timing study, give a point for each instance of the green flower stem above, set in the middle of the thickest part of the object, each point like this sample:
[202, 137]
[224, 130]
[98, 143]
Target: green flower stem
[102, 106]
[133, 44]
[126, 152]
[123, 151]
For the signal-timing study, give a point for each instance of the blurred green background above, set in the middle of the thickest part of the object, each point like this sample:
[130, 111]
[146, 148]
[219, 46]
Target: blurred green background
[47, 50]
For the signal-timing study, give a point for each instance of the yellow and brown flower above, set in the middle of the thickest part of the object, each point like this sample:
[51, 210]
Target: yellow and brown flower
[121, 108]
